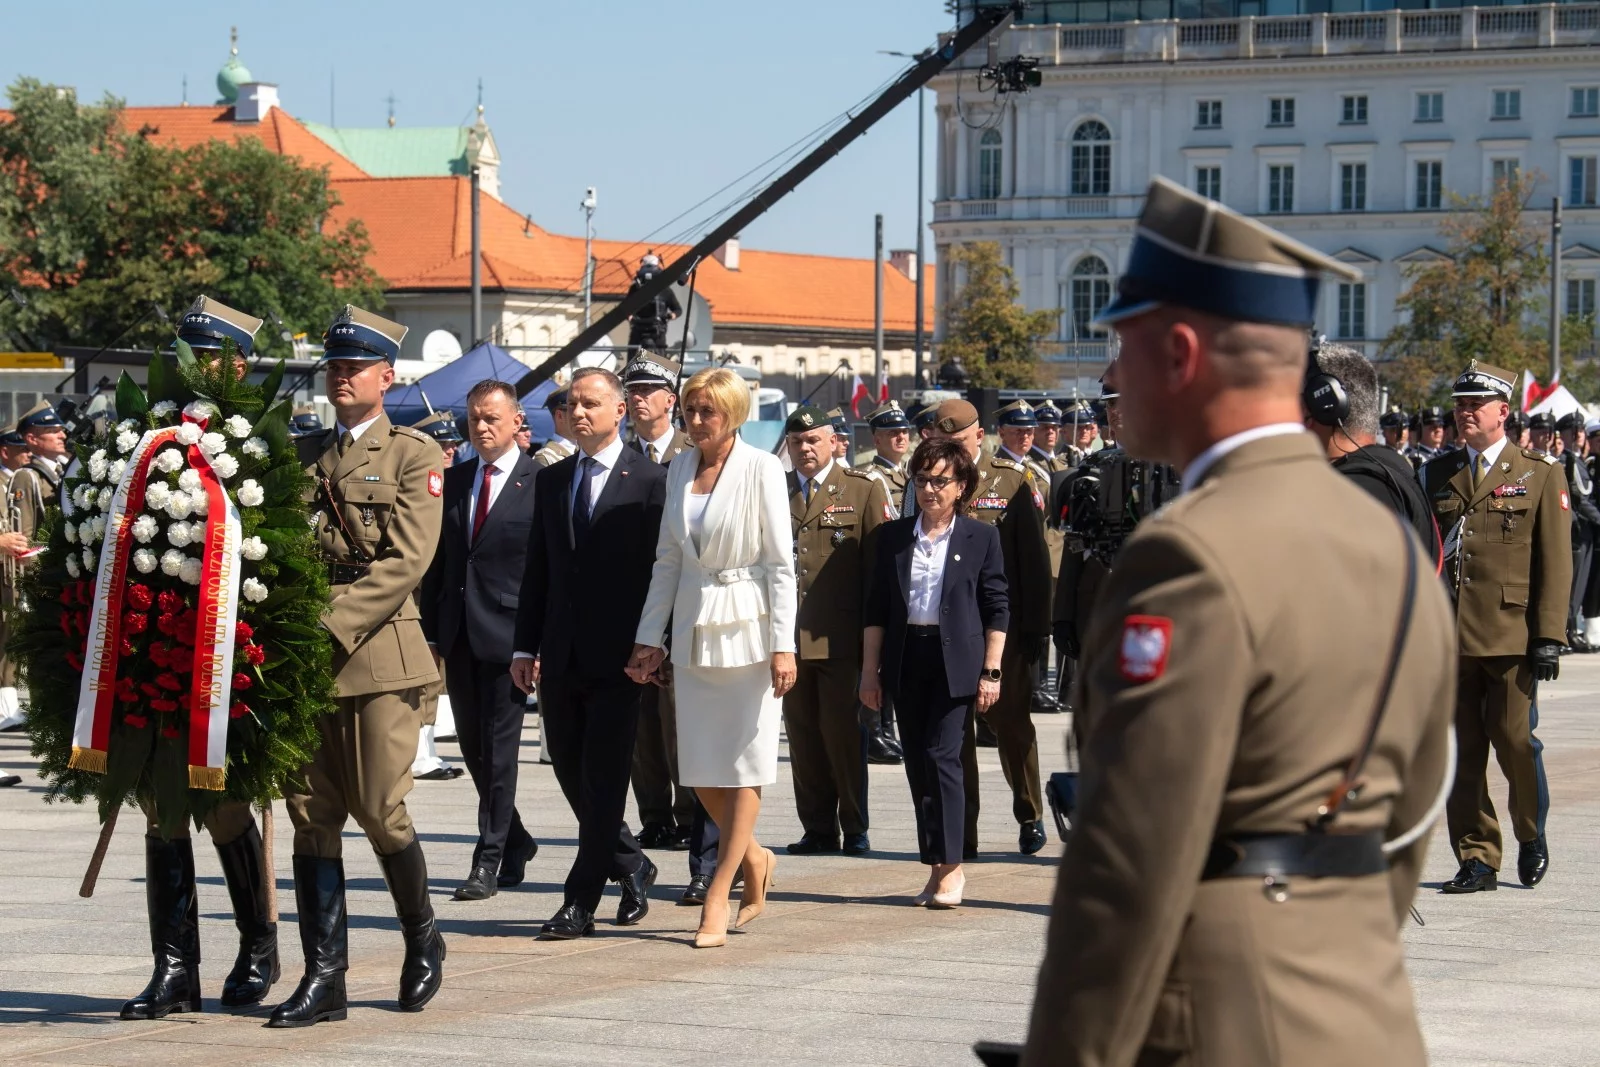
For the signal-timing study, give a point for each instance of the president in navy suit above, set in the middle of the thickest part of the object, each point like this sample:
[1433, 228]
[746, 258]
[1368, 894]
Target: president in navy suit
[469, 615]
[935, 628]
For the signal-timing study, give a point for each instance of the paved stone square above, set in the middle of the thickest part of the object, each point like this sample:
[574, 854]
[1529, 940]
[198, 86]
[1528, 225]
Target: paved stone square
[841, 970]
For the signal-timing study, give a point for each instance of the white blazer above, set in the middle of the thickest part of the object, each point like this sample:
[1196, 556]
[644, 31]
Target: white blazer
[732, 602]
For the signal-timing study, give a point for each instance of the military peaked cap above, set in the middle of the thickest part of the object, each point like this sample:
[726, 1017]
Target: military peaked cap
[208, 323]
[361, 335]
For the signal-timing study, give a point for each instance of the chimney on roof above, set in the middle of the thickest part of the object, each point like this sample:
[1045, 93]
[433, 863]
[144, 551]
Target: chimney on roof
[255, 100]
[728, 254]
[905, 261]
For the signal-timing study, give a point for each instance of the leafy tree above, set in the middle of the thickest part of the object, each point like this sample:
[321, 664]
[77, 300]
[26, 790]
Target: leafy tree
[98, 222]
[987, 329]
[1486, 301]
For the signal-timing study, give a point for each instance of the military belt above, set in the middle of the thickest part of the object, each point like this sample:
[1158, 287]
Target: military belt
[1313, 855]
[345, 573]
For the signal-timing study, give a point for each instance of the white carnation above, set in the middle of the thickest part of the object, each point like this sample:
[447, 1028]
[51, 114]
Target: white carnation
[99, 522]
[72, 566]
[189, 433]
[190, 571]
[201, 503]
[90, 558]
[189, 481]
[225, 466]
[97, 465]
[107, 495]
[200, 410]
[253, 548]
[81, 496]
[144, 560]
[117, 467]
[156, 494]
[162, 409]
[70, 532]
[127, 441]
[180, 534]
[170, 461]
[255, 448]
[212, 443]
[127, 426]
[238, 426]
[253, 590]
[179, 506]
[171, 562]
[145, 529]
[251, 494]
[86, 531]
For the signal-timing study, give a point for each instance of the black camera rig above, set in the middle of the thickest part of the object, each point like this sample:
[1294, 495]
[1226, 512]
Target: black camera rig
[1109, 495]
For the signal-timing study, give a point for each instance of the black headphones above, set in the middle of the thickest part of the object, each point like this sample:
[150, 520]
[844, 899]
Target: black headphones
[1322, 394]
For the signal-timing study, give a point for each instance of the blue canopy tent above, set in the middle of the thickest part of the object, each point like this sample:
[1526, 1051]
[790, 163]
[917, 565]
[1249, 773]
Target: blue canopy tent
[447, 388]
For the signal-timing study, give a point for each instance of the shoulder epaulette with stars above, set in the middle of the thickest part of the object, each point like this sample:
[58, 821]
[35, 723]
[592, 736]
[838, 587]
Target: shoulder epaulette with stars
[407, 431]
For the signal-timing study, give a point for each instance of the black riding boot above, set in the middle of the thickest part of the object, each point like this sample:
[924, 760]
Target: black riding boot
[256, 967]
[324, 939]
[423, 970]
[174, 931]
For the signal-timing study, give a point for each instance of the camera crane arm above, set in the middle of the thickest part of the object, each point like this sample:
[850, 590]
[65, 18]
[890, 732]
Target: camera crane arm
[985, 20]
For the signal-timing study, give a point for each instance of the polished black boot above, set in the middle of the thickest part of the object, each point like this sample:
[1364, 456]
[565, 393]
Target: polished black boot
[174, 911]
[423, 970]
[325, 942]
[256, 967]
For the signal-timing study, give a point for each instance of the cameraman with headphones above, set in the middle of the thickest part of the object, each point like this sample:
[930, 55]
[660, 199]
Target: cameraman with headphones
[1340, 399]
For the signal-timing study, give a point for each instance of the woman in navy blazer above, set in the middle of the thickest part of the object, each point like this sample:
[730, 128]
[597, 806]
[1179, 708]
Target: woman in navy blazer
[935, 627]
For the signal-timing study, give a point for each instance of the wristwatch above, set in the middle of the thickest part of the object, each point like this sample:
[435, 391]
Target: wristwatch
[990, 674]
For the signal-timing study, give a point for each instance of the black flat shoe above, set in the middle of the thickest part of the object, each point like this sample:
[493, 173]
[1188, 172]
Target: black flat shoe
[514, 863]
[680, 839]
[1533, 860]
[694, 894]
[1032, 838]
[857, 844]
[568, 924]
[655, 835]
[1475, 876]
[480, 885]
[636, 893]
[812, 846]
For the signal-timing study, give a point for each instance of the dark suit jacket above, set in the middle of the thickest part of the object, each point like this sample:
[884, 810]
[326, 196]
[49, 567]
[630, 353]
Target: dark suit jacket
[470, 592]
[581, 603]
[972, 599]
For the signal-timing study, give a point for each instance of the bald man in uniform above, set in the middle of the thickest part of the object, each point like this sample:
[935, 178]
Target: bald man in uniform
[1227, 896]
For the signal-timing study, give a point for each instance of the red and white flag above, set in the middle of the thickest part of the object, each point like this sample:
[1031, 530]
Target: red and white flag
[860, 393]
[1534, 394]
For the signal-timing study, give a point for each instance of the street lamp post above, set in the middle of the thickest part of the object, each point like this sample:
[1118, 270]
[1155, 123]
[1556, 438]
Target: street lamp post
[922, 266]
[588, 252]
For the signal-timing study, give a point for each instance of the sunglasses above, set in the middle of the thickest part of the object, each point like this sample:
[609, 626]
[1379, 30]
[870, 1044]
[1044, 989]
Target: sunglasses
[925, 481]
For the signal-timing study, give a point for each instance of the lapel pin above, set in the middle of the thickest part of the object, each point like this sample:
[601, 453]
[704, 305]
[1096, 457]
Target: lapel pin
[623, 473]
[958, 557]
[518, 485]
[1506, 467]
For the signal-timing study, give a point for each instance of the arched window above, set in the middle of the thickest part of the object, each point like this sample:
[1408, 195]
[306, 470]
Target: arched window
[1090, 292]
[1091, 159]
[989, 154]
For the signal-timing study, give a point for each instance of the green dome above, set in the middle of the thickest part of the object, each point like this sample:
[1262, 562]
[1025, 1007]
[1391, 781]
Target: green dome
[230, 77]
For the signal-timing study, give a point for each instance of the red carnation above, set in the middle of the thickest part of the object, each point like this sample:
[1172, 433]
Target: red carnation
[159, 655]
[169, 601]
[69, 594]
[139, 597]
[170, 732]
[255, 654]
[238, 710]
[66, 623]
[125, 691]
[138, 722]
[184, 626]
[169, 681]
[149, 690]
[165, 622]
[127, 647]
[135, 622]
[82, 620]
[86, 592]
[241, 681]
[74, 661]
[163, 704]
[181, 659]
[243, 631]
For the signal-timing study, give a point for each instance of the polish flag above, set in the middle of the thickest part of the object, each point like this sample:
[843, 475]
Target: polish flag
[860, 393]
[1534, 394]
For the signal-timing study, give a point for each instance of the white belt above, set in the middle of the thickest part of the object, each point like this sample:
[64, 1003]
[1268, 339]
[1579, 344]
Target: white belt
[739, 574]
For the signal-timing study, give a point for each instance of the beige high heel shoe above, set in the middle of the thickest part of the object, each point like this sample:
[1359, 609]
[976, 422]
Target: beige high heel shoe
[704, 938]
[949, 898]
[753, 902]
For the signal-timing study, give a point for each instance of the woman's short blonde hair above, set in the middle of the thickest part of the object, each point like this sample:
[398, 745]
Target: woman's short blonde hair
[727, 392]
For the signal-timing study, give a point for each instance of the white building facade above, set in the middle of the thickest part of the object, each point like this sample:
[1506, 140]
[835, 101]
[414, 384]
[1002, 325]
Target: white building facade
[1348, 131]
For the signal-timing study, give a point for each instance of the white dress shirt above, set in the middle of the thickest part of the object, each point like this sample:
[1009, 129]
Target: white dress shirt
[358, 429]
[817, 481]
[660, 444]
[1208, 459]
[927, 574]
[502, 467]
[1491, 454]
[605, 459]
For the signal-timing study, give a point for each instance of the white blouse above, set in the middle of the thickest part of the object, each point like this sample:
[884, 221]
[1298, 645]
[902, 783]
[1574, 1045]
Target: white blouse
[697, 517]
[927, 575]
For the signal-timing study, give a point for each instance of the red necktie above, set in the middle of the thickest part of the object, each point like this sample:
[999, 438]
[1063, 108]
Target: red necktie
[481, 512]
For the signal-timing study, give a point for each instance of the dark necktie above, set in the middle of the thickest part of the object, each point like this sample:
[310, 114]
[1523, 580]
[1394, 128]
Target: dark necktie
[346, 439]
[655, 457]
[580, 504]
[481, 512]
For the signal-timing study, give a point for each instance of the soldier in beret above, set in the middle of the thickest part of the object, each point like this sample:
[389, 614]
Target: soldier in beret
[1009, 499]
[1506, 517]
[378, 507]
[834, 511]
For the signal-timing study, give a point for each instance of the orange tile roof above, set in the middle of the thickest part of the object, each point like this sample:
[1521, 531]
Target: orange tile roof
[421, 236]
[190, 126]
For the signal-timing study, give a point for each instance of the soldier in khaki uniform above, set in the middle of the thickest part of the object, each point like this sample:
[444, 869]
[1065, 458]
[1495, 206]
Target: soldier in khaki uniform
[34, 488]
[14, 455]
[428, 765]
[834, 511]
[1506, 518]
[891, 436]
[841, 435]
[560, 446]
[1008, 499]
[1047, 438]
[378, 511]
[1227, 896]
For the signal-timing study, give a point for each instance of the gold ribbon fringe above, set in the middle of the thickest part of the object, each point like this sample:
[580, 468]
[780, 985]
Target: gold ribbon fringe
[211, 778]
[87, 759]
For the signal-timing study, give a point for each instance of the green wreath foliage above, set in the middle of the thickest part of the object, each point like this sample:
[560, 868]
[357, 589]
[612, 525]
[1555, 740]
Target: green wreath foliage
[283, 675]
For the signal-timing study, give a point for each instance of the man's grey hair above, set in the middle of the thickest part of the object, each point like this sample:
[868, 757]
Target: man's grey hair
[613, 382]
[1360, 383]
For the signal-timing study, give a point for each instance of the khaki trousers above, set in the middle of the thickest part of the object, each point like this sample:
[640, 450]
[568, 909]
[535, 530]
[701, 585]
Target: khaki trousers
[827, 748]
[1494, 697]
[363, 769]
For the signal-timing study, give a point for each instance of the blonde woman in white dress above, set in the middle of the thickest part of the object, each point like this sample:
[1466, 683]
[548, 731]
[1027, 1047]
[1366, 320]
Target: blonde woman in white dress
[724, 577]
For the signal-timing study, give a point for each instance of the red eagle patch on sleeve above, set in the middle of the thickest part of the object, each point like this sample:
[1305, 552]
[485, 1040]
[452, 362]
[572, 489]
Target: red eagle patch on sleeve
[1566, 504]
[1146, 642]
[435, 483]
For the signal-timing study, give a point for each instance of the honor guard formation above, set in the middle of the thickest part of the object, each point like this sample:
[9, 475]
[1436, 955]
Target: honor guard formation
[1175, 561]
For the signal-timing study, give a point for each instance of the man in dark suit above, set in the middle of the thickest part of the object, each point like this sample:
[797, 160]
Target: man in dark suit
[590, 554]
[469, 614]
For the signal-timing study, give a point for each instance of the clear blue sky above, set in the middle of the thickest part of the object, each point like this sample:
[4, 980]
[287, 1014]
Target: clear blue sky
[655, 104]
